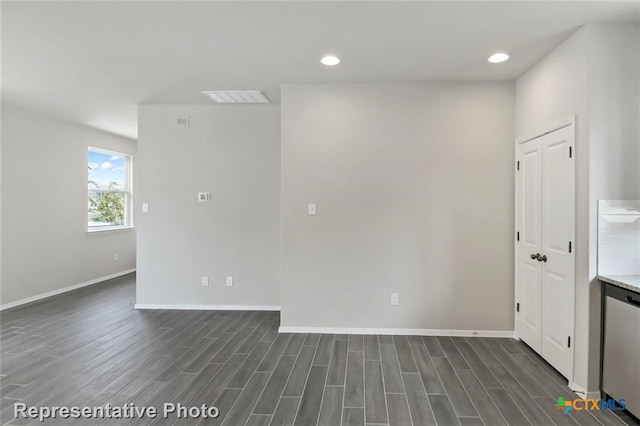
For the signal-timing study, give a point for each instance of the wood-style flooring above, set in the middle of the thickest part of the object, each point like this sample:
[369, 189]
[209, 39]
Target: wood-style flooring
[90, 348]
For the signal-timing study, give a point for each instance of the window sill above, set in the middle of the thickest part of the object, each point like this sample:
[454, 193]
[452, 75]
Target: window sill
[110, 229]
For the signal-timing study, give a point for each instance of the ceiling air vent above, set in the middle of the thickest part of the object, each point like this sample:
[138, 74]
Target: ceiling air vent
[237, 96]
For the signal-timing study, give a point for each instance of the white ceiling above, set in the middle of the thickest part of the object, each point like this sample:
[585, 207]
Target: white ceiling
[94, 62]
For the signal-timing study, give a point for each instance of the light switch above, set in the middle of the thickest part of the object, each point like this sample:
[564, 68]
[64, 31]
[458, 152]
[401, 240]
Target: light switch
[145, 207]
[312, 209]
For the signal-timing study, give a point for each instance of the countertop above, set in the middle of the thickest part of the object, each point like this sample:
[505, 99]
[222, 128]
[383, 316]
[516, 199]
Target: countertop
[630, 282]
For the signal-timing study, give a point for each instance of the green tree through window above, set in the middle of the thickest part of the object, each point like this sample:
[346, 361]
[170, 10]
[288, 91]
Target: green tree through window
[108, 190]
[107, 207]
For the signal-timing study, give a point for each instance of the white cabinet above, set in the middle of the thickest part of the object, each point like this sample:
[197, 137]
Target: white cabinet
[545, 258]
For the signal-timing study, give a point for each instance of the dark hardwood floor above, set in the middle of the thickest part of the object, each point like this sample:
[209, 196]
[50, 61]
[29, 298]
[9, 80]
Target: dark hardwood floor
[91, 348]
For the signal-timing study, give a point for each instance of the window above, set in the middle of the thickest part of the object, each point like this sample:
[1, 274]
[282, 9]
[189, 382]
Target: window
[109, 190]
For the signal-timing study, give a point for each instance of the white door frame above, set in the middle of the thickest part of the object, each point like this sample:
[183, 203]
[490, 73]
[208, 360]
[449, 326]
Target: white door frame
[551, 127]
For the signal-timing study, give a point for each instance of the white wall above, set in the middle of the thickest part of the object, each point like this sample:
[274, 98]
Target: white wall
[614, 139]
[233, 152]
[594, 75]
[414, 190]
[614, 67]
[45, 245]
[554, 88]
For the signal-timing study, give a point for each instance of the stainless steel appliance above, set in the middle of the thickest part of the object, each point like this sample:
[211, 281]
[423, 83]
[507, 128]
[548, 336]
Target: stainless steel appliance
[621, 347]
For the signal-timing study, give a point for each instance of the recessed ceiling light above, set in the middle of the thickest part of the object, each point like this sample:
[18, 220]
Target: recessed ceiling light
[330, 61]
[498, 57]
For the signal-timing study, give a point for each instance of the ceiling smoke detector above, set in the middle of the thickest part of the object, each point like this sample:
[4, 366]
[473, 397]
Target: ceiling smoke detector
[237, 96]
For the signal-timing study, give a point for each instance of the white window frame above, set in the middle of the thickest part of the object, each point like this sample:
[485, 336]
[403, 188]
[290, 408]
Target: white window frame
[127, 191]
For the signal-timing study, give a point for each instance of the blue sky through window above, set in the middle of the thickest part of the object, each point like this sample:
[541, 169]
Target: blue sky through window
[106, 168]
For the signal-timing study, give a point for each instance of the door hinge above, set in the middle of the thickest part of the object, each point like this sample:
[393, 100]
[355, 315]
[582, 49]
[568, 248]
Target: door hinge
[518, 165]
[517, 307]
[570, 152]
[518, 236]
[569, 341]
[569, 246]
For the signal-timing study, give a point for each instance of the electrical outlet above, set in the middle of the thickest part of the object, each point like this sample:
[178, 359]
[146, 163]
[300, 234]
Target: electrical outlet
[394, 299]
[205, 281]
[229, 281]
[115, 257]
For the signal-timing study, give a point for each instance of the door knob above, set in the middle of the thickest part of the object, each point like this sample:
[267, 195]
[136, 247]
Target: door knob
[542, 258]
[535, 256]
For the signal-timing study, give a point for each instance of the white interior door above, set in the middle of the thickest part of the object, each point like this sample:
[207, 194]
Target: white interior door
[529, 225]
[558, 232]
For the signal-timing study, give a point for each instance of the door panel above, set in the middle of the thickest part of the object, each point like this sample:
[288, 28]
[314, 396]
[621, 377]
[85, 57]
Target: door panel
[529, 222]
[558, 229]
[530, 306]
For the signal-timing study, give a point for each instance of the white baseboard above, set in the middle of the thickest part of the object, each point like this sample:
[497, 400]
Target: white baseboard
[209, 307]
[64, 289]
[582, 393]
[396, 331]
